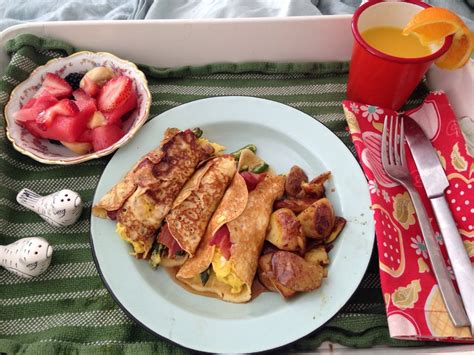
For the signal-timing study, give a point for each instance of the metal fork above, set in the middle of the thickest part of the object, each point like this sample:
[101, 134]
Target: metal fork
[395, 165]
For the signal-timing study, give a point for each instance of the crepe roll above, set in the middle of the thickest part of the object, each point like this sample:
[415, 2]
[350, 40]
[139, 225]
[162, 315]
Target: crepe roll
[140, 201]
[193, 208]
[226, 260]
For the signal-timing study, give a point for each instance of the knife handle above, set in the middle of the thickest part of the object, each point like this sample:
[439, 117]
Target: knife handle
[460, 261]
[451, 298]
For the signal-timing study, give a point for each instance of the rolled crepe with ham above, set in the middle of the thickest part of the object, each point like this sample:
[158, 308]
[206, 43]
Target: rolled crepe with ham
[140, 201]
[227, 258]
[193, 208]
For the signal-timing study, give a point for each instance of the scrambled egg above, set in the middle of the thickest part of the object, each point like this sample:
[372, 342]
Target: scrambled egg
[225, 273]
[217, 147]
[138, 246]
[155, 259]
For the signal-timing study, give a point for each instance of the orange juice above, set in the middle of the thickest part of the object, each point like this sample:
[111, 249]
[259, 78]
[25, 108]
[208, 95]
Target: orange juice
[390, 40]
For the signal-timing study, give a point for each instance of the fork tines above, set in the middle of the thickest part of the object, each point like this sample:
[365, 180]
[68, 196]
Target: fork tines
[396, 146]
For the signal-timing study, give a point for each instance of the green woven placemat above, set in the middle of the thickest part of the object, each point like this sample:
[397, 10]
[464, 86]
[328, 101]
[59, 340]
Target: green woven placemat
[67, 309]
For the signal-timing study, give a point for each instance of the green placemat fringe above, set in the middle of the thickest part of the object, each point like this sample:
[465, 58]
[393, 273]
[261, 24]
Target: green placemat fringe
[67, 309]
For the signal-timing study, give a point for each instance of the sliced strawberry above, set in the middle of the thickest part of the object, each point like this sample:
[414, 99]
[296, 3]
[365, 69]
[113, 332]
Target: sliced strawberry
[30, 103]
[222, 239]
[252, 179]
[35, 107]
[166, 238]
[81, 97]
[105, 136]
[115, 116]
[65, 107]
[114, 93]
[45, 99]
[56, 86]
[90, 87]
[87, 108]
[33, 128]
[66, 128]
[86, 136]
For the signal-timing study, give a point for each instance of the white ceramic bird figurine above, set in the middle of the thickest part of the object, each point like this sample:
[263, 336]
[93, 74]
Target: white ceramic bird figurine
[61, 208]
[27, 257]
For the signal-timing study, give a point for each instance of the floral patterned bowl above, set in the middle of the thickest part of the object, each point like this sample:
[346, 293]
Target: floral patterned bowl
[43, 150]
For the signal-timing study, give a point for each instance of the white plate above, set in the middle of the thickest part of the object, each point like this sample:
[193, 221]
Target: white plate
[284, 137]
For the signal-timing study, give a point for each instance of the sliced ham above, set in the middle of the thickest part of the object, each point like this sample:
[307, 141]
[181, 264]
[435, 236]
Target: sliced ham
[252, 179]
[166, 238]
[112, 215]
[222, 239]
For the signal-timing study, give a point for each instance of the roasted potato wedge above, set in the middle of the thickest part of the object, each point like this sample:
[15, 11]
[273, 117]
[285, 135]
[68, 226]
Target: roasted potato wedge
[285, 231]
[295, 273]
[318, 219]
[338, 227]
[266, 277]
[321, 178]
[297, 205]
[283, 290]
[313, 190]
[296, 177]
[264, 271]
[317, 256]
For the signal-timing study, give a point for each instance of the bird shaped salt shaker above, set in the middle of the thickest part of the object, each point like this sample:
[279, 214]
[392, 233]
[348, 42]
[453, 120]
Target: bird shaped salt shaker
[61, 208]
[27, 257]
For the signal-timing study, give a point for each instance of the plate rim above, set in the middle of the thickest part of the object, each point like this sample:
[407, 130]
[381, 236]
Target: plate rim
[363, 268]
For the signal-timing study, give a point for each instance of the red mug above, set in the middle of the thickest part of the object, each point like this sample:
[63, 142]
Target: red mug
[380, 79]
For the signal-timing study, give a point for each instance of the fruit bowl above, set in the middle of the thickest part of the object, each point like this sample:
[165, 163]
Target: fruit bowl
[49, 151]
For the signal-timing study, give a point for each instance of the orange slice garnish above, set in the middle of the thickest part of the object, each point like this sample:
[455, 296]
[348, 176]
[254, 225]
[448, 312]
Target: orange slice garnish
[432, 25]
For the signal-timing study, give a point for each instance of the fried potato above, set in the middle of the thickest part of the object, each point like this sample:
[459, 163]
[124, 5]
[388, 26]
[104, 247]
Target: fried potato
[313, 190]
[318, 256]
[267, 278]
[338, 227]
[282, 290]
[296, 177]
[297, 205]
[321, 178]
[264, 271]
[285, 231]
[318, 219]
[295, 273]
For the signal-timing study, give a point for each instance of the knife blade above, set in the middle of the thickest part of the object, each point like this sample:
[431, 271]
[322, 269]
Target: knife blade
[435, 183]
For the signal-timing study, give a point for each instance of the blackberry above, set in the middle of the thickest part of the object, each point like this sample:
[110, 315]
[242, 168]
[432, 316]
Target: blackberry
[74, 79]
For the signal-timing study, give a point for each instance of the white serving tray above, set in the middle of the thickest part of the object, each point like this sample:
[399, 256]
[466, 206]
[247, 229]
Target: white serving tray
[174, 43]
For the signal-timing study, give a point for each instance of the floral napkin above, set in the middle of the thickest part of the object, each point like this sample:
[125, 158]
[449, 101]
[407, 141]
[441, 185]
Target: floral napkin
[415, 309]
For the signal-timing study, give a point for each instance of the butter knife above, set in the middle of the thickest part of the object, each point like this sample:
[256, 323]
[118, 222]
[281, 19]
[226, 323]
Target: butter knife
[435, 183]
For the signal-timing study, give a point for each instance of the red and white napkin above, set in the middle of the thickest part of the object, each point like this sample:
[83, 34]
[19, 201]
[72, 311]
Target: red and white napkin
[415, 309]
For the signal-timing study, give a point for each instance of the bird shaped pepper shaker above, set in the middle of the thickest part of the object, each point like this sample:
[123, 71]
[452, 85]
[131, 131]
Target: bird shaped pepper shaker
[61, 208]
[27, 257]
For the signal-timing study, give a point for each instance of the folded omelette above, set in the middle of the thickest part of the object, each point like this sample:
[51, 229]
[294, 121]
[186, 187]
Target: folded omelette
[193, 208]
[142, 199]
[226, 259]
